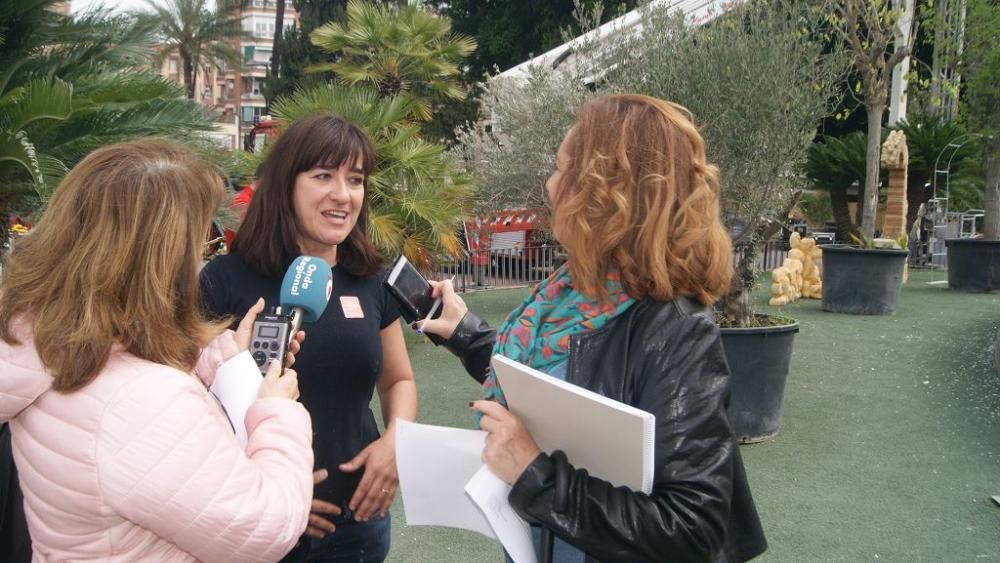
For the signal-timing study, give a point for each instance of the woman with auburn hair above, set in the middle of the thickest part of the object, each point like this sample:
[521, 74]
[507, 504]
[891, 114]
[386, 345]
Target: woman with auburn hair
[122, 452]
[636, 206]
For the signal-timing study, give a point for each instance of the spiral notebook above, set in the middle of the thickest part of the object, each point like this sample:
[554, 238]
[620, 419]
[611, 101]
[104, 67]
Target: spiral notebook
[610, 439]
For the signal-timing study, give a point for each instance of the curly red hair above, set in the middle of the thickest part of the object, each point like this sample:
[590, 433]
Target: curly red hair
[638, 197]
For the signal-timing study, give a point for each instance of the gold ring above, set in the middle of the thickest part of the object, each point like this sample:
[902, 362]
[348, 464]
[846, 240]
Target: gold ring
[385, 491]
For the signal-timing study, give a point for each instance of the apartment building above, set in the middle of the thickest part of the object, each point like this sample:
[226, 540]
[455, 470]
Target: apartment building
[258, 21]
[237, 93]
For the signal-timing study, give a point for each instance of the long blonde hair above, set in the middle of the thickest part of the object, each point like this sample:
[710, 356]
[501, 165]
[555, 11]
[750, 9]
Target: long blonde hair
[637, 196]
[114, 259]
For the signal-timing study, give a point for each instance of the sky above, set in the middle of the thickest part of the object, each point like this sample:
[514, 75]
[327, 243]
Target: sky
[77, 6]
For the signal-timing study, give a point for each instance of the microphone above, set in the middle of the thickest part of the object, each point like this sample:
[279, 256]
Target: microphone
[305, 291]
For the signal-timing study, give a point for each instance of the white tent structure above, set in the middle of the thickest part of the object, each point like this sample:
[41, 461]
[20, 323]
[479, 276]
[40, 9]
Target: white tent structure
[568, 55]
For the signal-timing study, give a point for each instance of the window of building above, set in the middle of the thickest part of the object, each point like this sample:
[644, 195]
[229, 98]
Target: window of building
[248, 53]
[251, 114]
[263, 29]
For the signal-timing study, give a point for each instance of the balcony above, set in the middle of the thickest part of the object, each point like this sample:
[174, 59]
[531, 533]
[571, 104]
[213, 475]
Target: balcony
[256, 69]
[269, 6]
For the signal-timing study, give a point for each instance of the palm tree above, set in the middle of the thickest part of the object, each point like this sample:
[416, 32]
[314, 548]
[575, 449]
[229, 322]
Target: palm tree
[394, 61]
[399, 50]
[839, 162]
[833, 165]
[928, 138]
[201, 37]
[68, 87]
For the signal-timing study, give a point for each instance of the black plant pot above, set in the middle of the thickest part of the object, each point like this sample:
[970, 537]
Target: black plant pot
[862, 281]
[758, 364]
[973, 264]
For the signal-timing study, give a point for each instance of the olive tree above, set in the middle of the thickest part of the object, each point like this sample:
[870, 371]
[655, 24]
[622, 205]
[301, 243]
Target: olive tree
[758, 81]
[756, 78]
[511, 150]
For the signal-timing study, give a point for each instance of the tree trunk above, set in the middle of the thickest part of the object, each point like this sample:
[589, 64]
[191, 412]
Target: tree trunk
[859, 209]
[842, 213]
[872, 166]
[276, 47]
[189, 75]
[991, 192]
[938, 60]
[736, 303]
[736, 306]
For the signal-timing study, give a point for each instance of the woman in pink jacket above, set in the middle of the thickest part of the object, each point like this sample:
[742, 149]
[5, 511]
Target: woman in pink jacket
[123, 453]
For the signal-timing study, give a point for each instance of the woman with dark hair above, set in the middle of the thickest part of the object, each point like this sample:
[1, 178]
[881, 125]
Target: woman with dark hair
[123, 453]
[636, 206]
[311, 200]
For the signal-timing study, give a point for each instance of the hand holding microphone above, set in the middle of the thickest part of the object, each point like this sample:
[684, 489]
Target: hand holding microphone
[278, 383]
[305, 291]
[244, 333]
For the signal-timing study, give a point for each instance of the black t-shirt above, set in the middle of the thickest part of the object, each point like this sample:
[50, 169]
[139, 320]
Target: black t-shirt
[338, 364]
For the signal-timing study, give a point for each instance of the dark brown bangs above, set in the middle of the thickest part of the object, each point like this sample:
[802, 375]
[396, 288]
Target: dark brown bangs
[332, 147]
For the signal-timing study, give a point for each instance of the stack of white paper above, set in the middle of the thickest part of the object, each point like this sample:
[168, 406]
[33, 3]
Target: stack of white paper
[444, 482]
[434, 464]
[612, 440]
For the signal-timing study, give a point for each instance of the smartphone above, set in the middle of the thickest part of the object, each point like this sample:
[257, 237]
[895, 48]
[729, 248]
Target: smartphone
[411, 290]
[414, 295]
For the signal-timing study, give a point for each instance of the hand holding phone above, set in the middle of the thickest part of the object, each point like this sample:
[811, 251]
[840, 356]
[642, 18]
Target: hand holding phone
[434, 309]
[453, 310]
[414, 295]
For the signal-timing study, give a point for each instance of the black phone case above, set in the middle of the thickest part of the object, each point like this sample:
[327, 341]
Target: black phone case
[408, 311]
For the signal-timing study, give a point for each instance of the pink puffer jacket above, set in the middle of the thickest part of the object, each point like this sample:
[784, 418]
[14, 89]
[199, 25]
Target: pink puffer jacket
[141, 464]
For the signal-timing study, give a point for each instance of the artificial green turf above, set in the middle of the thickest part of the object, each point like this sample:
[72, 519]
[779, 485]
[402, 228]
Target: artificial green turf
[890, 442]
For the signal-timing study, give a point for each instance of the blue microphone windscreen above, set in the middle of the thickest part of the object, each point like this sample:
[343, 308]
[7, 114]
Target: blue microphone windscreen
[308, 285]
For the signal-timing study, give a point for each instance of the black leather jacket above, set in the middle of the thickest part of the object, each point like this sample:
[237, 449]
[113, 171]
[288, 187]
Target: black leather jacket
[666, 359]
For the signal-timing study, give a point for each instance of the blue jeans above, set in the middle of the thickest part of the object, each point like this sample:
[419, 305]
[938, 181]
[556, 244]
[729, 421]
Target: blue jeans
[358, 542]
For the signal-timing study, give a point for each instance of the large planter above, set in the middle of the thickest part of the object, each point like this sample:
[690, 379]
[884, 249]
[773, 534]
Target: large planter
[973, 264]
[862, 281]
[758, 364]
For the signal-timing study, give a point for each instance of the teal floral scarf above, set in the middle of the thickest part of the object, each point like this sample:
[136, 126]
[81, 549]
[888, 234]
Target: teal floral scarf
[538, 332]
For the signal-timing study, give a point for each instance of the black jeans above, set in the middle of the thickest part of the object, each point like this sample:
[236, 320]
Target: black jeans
[15, 544]
[360, 542]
